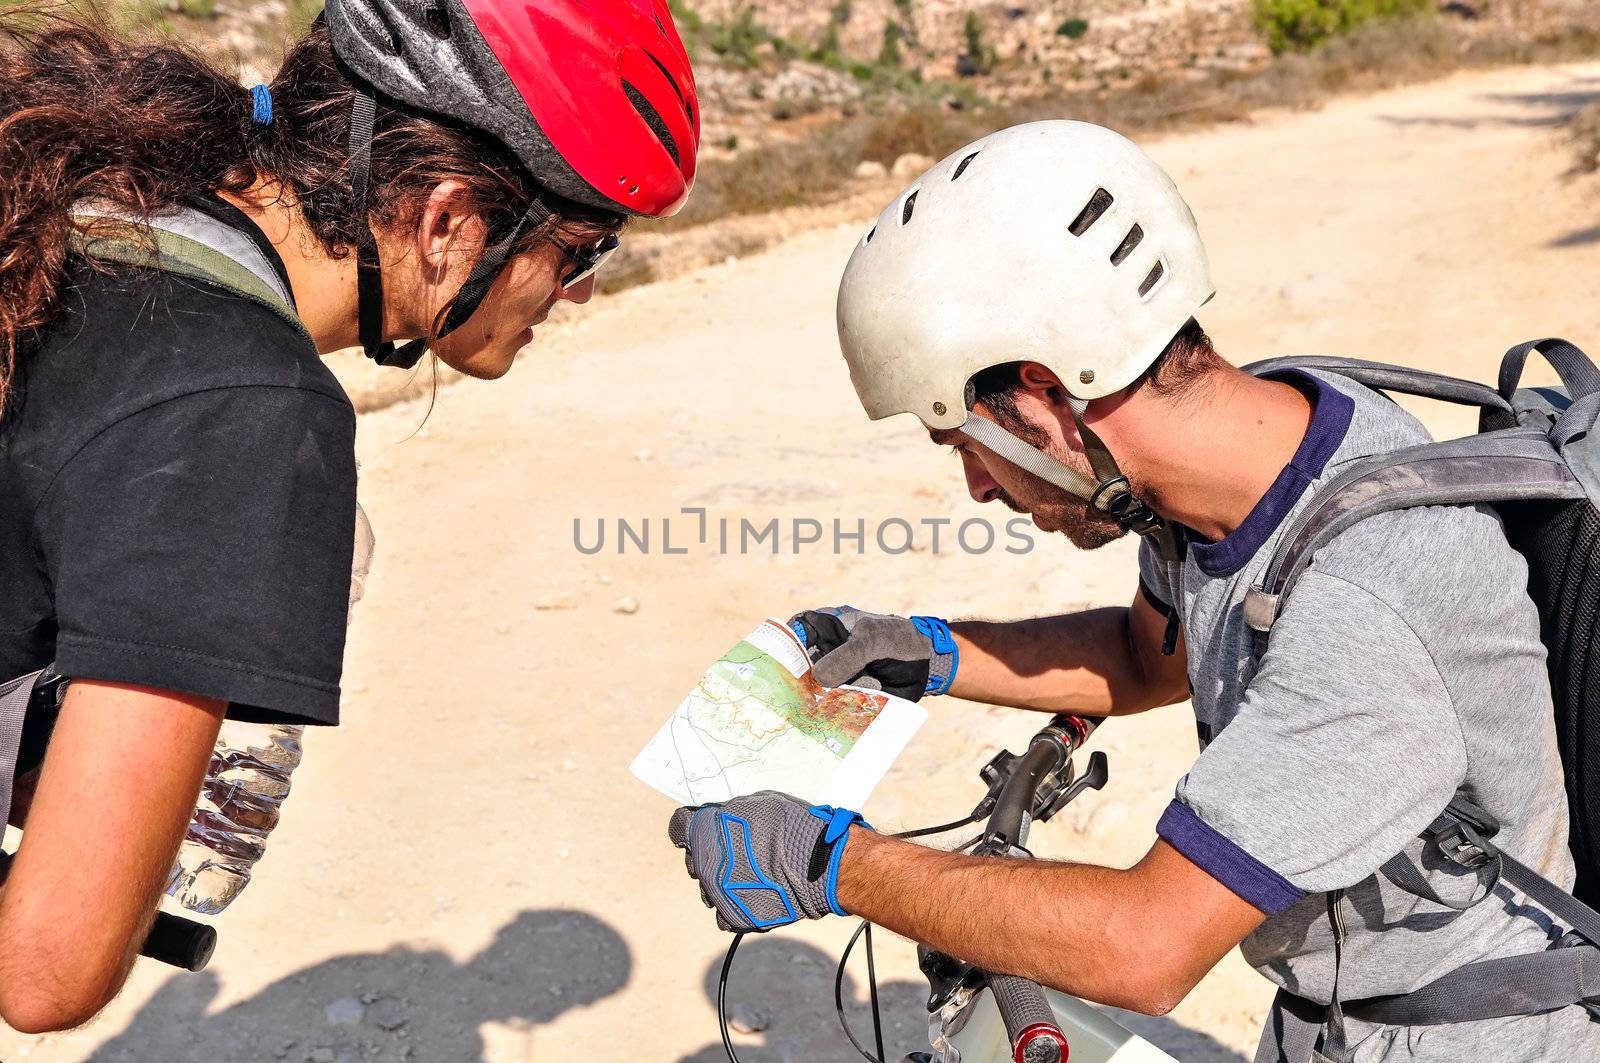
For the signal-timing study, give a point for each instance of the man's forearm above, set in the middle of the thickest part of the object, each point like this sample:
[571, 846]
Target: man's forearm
[1046, 921]
[1080, 662]
[1093, 932]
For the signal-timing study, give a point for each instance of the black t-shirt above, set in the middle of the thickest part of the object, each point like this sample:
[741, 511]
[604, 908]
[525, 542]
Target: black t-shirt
[177, 470]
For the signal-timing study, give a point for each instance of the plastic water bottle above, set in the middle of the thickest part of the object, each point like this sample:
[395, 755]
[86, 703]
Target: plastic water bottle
[239, 801]
[244, 788]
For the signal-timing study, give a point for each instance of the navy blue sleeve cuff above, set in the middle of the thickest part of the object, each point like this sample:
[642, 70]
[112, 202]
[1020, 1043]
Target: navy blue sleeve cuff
[1224, 861]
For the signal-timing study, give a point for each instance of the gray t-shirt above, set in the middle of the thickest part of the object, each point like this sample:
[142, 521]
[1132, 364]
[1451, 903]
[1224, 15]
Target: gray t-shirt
[1405, 666]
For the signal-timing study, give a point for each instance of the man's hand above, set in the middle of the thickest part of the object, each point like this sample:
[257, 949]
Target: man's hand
[766, 860]
[904, 656]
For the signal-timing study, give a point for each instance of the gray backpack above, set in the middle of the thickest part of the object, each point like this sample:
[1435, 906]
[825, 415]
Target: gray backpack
[1536, 461]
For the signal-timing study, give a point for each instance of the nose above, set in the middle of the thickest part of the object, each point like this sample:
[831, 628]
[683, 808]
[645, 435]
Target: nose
[980, 485]
[579, 293]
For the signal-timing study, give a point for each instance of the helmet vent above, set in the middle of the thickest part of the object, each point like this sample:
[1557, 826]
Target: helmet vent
[438, 20]
[870, 234]
[1098, 204]
[652, 118]
[961, 167]
[1132, 240]
[1158, 271]
[676, 91]
[908, 206]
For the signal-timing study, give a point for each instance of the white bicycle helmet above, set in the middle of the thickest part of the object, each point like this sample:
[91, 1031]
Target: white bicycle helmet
[1054, 242]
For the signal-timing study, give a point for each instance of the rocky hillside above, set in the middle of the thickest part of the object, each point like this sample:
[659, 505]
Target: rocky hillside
[771, 71]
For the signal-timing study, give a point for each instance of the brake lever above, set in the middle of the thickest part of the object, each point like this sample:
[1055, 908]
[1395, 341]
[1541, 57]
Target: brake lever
[1095, 778]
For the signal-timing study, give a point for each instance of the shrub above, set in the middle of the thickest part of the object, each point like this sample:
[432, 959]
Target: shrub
[980, 55]
[198, 8]
[890, 54]
[737, 41]
[1297, 25]
[1073, 28]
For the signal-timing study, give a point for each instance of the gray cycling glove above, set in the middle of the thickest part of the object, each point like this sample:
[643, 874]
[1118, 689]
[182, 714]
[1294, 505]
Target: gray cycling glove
[765, 860]
[905, 656]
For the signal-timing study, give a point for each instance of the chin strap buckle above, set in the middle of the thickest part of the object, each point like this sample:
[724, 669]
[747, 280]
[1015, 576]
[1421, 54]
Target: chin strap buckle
[1117, 499]
[404, 357]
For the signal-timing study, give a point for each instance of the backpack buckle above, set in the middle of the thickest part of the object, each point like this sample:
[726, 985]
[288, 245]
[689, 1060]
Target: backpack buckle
[1463, 845]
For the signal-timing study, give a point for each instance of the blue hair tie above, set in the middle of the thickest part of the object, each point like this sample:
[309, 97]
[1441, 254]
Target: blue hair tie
[263, 100]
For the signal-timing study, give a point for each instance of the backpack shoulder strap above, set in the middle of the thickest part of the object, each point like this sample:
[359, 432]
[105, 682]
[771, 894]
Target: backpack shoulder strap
[1381, 376]
[187, 243]
[1505, 466]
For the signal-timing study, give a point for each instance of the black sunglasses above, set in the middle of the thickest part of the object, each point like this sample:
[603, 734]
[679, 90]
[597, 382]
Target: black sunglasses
[587, 261]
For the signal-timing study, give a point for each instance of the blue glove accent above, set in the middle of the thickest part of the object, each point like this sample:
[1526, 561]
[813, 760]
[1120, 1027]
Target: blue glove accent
[262, 98]
[938, 632]
[799, 630]
[762, 882]
[836, 834]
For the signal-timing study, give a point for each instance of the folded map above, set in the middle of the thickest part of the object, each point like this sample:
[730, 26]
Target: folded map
[759, 720]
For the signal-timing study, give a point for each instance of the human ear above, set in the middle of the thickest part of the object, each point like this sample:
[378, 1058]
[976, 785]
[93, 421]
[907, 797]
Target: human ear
[1042, 381]
[449, 225]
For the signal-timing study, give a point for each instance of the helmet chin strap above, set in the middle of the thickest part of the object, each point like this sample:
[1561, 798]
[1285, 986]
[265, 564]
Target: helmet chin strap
[369, 275]
[1108, 491]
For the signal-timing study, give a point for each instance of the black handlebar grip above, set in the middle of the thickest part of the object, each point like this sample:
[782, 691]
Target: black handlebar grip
[180, 942]
[1030, 1022]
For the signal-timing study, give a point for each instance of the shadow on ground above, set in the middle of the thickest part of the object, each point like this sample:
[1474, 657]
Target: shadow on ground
[1547, 109]
[1579, 238]
[782, 991]
[403, 1004]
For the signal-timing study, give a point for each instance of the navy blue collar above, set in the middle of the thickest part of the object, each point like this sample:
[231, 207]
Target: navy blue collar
[1331, 410]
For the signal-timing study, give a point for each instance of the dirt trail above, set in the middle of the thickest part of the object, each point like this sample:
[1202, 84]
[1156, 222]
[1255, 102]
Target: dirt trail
[467, 870]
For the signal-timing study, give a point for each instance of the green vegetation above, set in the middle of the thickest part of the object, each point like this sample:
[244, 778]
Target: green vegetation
[1073, 28]
[198, 8]
[737, 41]
[980, 54]
[1296, 25]
[890, 55]
[302, 13]
[820, 166]
[686, 19]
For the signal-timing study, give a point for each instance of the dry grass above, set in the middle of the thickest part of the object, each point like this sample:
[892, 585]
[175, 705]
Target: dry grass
[1586, 140]
[1377, 55]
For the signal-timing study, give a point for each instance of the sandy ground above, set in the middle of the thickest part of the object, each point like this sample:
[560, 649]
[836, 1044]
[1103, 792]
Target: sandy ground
[466, 870]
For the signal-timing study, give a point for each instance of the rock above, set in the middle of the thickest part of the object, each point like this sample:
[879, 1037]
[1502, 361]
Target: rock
[320, 1055]
[910, 165]
[569, 764]
[745, 1019]
[550, 602]
[626, 605]
[871, 170]
[388, 1014]
[346, 1011]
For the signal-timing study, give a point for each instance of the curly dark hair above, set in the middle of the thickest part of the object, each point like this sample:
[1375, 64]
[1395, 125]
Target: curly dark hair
[145, 126]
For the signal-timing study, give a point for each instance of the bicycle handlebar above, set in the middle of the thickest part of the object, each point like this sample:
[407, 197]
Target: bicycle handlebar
[1029, 1020]
[180, 942]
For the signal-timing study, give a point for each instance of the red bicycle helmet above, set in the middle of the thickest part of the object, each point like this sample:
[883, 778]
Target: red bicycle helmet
[595, 97]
